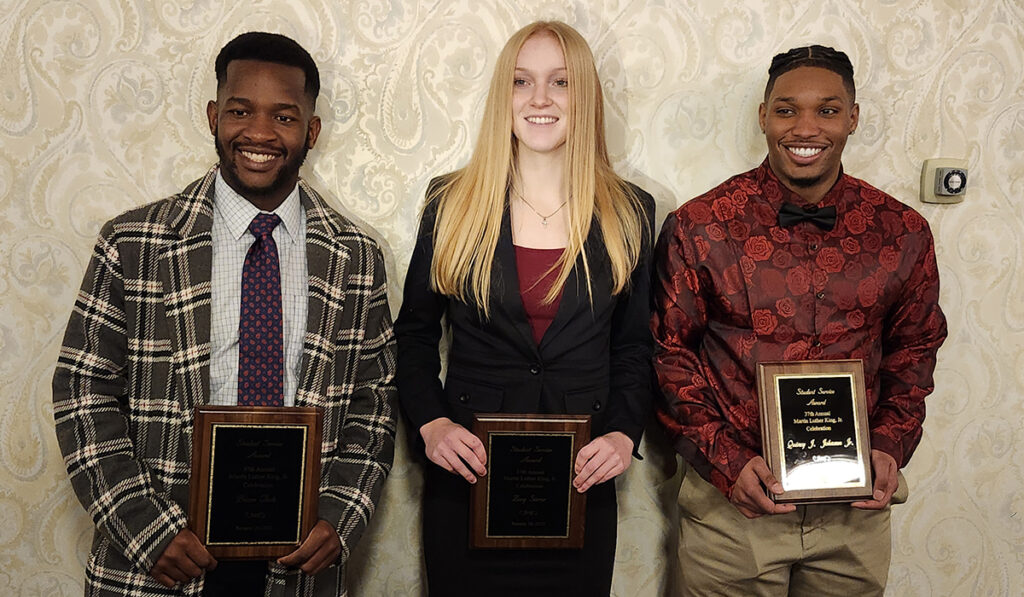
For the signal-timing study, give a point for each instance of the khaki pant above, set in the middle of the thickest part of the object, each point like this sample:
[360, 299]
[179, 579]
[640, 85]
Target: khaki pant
[818, 550]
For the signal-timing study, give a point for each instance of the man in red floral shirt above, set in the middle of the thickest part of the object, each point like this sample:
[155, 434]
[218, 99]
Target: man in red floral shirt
[793, 260]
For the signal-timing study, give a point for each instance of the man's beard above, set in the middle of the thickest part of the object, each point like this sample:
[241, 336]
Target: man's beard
[289, 171]
[805, 183]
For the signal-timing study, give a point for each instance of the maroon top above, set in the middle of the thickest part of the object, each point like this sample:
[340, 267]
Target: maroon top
[733, 288]
[531, 264]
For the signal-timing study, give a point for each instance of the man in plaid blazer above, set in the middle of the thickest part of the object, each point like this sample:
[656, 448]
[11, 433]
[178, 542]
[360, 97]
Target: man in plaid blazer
[137, 352]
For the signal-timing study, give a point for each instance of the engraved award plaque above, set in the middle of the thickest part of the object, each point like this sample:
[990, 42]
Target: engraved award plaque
[814, 430]
[255, 479]
[527, 500]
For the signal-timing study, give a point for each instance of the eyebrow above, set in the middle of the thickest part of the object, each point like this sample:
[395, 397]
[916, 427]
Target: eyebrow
[526, 70]
[831, 98]
[278, 106]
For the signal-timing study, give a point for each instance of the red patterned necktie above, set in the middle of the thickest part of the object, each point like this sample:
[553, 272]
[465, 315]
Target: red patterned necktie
[260, 331]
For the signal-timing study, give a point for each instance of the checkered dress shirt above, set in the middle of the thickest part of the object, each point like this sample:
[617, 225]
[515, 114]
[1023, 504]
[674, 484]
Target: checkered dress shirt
[232, 215]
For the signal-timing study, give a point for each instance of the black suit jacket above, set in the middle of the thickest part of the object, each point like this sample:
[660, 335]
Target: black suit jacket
[595, 357]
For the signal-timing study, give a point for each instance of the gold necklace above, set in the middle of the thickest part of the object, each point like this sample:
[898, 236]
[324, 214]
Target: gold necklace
[543, 218]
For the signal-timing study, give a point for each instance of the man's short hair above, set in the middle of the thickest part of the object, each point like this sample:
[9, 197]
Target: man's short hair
[269, 47]
[819, 56]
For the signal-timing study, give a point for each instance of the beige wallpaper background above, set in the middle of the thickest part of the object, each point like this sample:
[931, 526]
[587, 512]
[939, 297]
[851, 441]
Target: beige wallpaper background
[102, 108]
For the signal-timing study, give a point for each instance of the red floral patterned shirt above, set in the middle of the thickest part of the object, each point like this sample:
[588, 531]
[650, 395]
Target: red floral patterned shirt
[733, 288]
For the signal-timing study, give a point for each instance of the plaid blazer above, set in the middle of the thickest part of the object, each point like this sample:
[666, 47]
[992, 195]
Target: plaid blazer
[135, 361]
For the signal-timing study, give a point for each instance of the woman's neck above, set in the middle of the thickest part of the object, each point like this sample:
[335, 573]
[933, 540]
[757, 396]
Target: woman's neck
[538, 202]
[541, 180]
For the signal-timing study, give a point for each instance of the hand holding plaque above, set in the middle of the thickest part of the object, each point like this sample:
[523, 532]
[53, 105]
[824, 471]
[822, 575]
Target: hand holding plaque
[814, 430]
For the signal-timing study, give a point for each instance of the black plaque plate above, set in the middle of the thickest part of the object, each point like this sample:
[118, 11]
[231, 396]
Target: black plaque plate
[255, 475]
[527, 500]
[815, 430]
[258, 475]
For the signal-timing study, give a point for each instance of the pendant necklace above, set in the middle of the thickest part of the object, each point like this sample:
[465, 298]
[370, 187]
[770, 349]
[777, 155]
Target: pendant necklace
[543, 218]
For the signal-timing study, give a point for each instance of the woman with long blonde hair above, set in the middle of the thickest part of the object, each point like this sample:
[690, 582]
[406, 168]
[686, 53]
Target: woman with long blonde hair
[537, 254]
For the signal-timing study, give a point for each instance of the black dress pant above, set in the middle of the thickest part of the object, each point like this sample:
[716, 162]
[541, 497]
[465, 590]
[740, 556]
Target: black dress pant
[236, 579]
[455, 570]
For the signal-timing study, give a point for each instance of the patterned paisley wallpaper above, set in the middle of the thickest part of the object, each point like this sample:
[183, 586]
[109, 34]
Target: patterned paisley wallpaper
[101, 109]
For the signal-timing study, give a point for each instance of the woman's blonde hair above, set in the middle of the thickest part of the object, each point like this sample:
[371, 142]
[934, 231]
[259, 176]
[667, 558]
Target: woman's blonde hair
[472, 201]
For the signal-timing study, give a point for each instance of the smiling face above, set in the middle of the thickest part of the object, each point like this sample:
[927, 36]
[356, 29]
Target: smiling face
[806, 119]
[540, 96]
[263, 125]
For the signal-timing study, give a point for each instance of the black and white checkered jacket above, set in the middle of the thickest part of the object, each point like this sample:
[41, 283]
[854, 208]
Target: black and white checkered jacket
[135, 361]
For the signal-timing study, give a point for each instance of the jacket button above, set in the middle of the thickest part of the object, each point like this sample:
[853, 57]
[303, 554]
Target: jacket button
[597, 405]
[535, 369]
[463, 398]
[820, 295]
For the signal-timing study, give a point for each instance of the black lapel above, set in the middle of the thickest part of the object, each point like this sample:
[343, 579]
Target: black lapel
[576, 300]
[505, 286]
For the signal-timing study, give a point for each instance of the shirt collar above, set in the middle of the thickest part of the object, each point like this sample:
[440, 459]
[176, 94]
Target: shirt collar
[237, 212]
[778, 193]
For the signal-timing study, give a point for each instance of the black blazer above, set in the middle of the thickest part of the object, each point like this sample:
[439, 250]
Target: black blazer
[593, 359]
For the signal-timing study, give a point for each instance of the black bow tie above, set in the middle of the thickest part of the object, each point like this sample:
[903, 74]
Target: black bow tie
[822, 217]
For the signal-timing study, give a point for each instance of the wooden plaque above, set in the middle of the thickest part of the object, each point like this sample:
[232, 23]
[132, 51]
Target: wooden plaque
[814, 430]
[255, 479]
[526, 500]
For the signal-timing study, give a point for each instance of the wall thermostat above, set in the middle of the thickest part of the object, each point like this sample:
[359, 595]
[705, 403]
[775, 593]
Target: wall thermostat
[950, 181]
[943, 180]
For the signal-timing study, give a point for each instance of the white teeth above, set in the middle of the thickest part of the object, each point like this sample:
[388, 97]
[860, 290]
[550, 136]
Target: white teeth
[259, 158]
[541, 119]
[805, 152]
